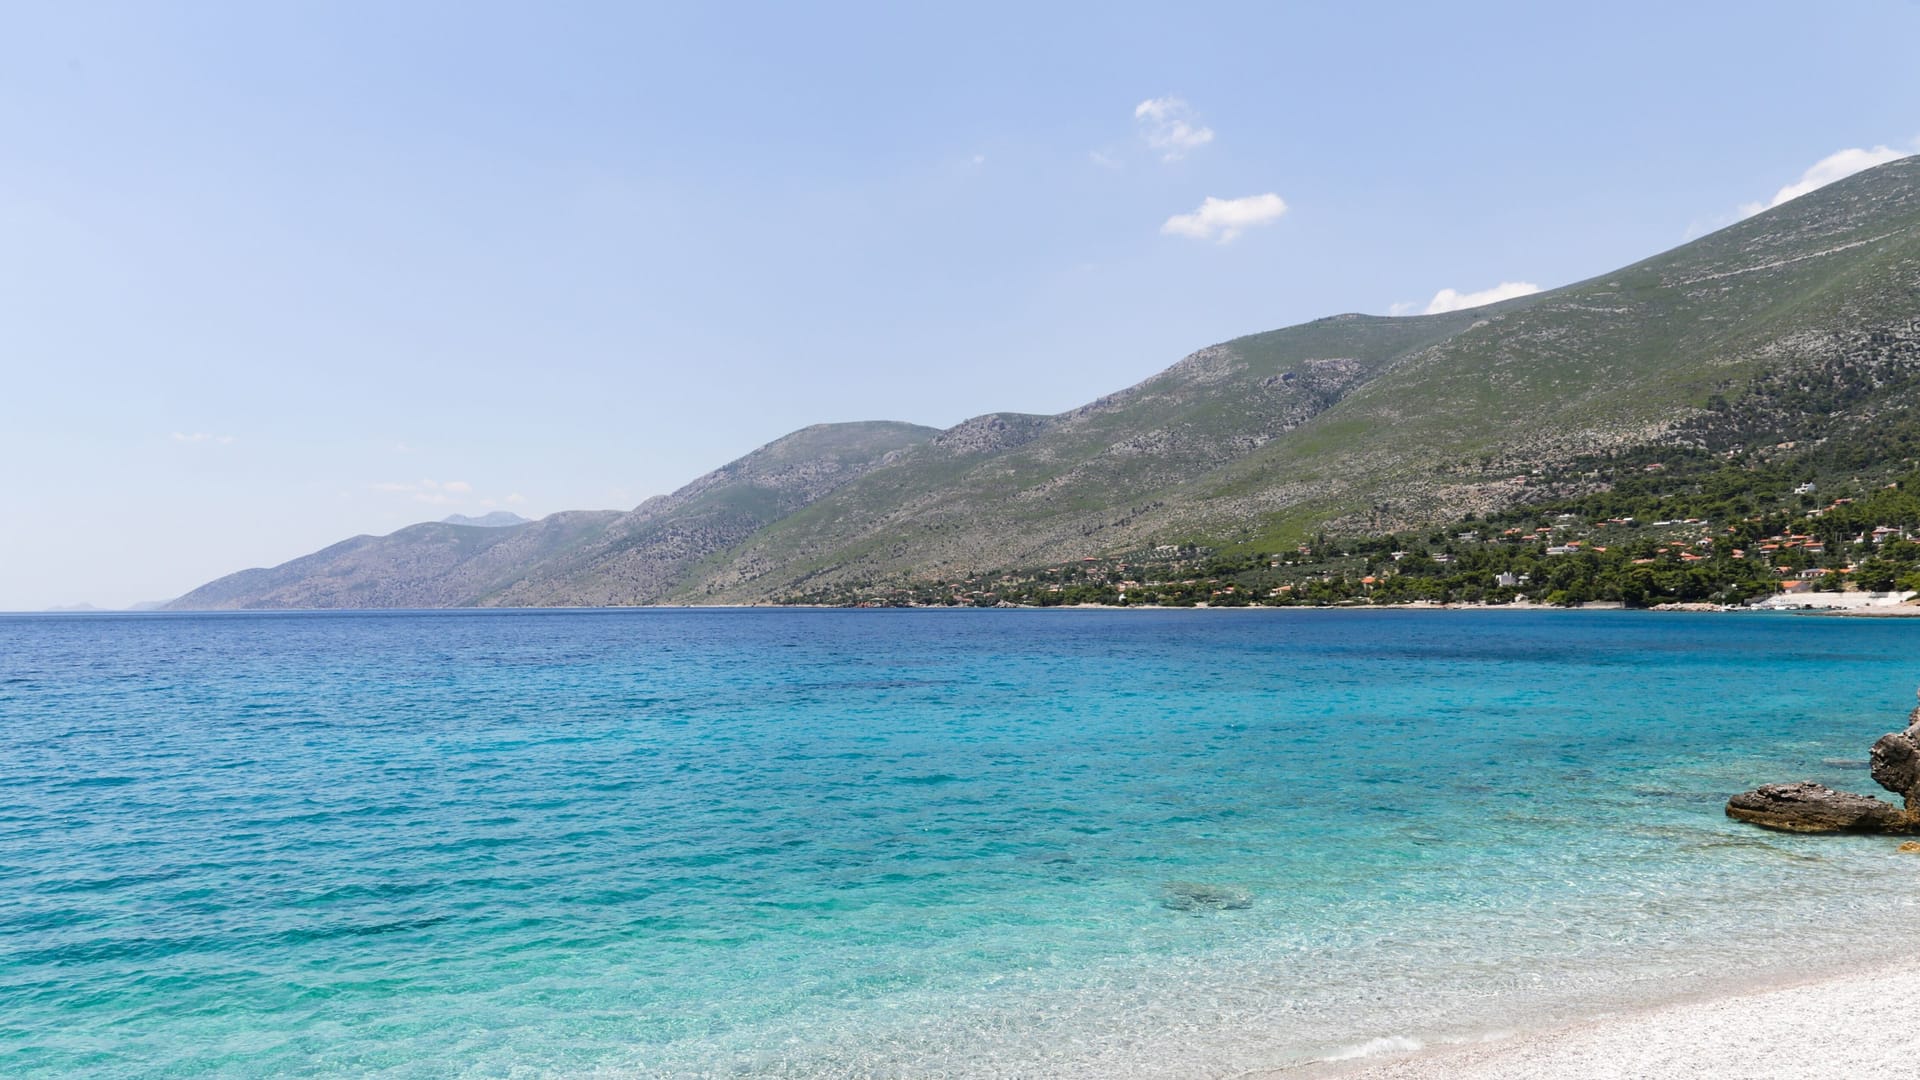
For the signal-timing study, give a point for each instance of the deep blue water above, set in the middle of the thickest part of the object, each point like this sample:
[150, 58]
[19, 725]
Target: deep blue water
[826, 843]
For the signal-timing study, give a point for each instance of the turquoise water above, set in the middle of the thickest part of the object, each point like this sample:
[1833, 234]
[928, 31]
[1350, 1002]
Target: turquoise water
[824, 843]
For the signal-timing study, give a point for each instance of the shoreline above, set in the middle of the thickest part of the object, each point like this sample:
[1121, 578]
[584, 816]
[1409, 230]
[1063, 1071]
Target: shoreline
[1896, 611]
[1836, 1024]
[1910, 609]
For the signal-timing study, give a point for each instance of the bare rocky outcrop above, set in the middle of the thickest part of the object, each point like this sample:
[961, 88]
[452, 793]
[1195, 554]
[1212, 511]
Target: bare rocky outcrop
[1895, 764]
[1808, 807]
[1814, 808]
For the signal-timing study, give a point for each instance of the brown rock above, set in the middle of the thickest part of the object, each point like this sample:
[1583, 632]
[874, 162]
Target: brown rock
[1911, 847]
[1895, 761]
[1814, 808]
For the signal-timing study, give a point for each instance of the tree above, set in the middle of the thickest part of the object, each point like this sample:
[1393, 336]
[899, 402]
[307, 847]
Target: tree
[1875, 575]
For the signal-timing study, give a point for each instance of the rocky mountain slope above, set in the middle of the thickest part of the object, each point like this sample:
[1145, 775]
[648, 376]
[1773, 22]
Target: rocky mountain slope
[571, 558]
[429, 565]
[641, 557]
[1358, 422]
[1801, 319]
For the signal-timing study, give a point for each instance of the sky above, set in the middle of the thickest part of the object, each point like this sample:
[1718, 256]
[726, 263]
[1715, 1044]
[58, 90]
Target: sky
[273, 275]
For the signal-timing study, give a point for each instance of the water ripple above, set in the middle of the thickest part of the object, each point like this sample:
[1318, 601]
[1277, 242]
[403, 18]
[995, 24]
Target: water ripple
[808, 844]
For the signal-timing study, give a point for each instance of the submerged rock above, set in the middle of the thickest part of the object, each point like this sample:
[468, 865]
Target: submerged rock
[1814, 808]
[1911, 847]
[1192, 896]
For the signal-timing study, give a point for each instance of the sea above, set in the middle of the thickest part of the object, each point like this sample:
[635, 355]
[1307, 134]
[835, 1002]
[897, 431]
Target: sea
[822, 843]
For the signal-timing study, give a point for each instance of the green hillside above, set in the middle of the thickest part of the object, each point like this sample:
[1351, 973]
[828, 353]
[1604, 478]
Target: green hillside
[1358, 423]
[1001, 490]
[1786, 344]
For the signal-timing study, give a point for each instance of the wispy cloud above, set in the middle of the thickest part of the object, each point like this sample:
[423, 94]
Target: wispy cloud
[1103, 159]
[1170, 127]
[1225, 219]
[432, 492]
[1455, 300]
[1835, 166]
[201, 438]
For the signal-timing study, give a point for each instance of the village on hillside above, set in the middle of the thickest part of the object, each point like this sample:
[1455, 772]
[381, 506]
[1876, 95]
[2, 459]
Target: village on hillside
[1842, 552]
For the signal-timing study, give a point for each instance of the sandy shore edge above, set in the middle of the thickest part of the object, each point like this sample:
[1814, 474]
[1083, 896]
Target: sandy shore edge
[1839, 1026]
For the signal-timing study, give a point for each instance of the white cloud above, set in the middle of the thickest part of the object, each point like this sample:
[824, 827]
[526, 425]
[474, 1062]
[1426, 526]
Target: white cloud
[1224, 219]
[1170, 127]
[1835, 166]
[1454, 300]
[202, 438]
[1103, 159]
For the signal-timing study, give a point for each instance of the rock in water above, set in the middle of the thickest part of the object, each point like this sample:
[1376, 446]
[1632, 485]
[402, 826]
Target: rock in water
[1896, 764]
[1814, 808]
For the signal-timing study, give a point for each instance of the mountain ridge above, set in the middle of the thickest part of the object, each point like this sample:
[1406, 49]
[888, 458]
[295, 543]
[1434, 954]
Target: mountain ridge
[443, 564]
[496, 519]
[1350, 423]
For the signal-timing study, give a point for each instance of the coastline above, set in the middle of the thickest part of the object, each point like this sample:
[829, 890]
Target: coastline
[1875, 611]
[1831, 1025]
[1860, 605]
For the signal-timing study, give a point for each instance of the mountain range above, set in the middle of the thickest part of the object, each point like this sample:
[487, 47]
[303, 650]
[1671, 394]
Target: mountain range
[1804, 319]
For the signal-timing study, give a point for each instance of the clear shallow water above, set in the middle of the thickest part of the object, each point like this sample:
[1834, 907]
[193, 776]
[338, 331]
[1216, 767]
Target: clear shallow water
[823, 843]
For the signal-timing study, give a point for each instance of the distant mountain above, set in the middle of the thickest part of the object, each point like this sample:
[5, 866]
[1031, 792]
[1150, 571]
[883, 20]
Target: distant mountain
[1800, 324]
[431, 565]
[580, 558]
[498, 519]
[144, 605]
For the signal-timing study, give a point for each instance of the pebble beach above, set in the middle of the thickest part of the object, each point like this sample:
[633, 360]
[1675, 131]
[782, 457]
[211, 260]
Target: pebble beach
[1838, 1027]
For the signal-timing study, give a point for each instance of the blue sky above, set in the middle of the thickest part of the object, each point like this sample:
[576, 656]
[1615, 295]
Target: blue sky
[272, 275]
